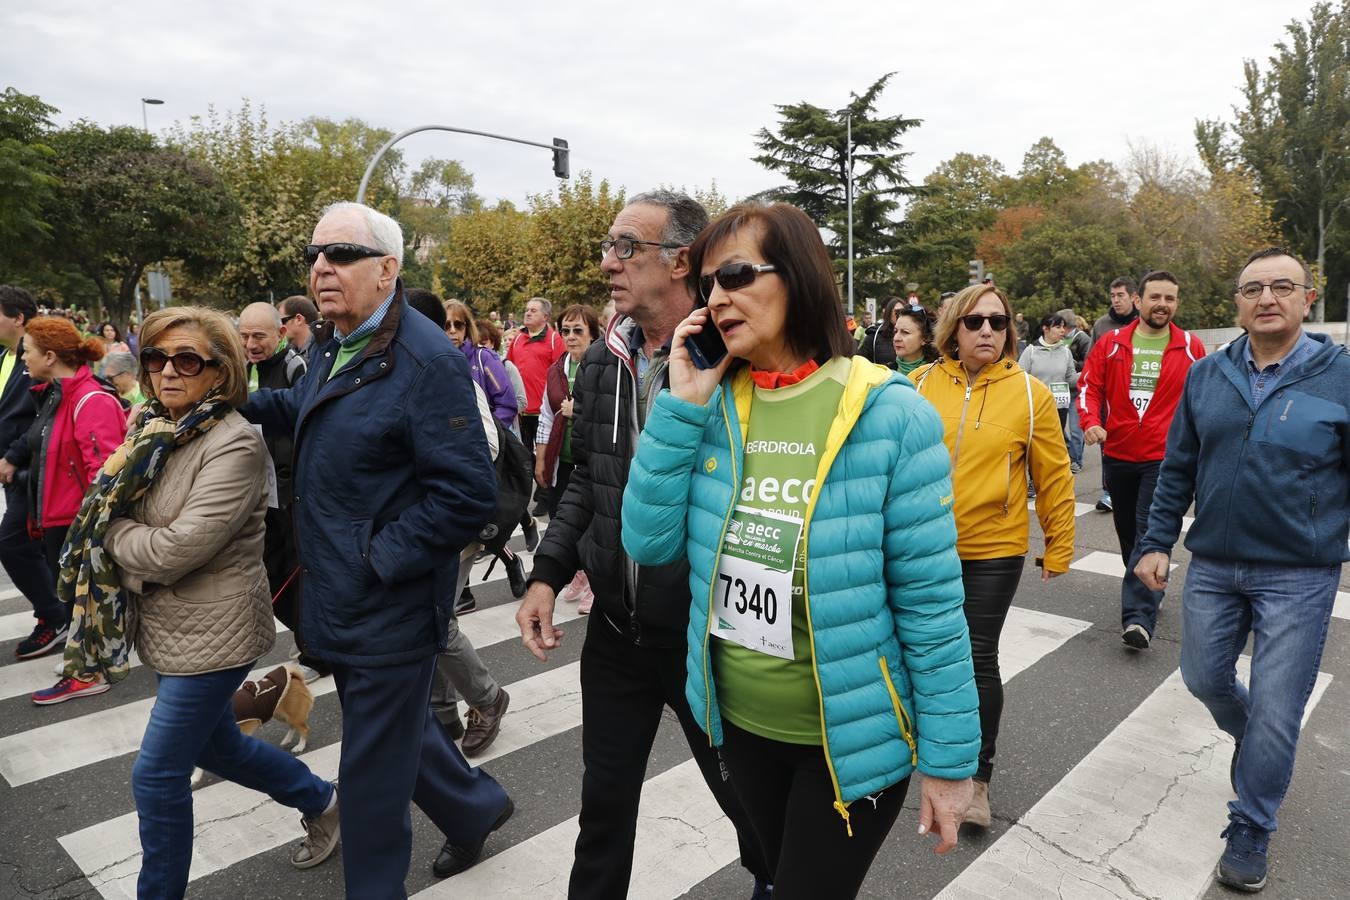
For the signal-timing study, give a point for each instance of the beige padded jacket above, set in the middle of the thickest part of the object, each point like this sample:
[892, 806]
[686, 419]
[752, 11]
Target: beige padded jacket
[193, 550]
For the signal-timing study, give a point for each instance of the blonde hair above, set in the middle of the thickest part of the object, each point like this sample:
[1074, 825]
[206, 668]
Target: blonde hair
[961, 305]
[456, 307]
[222, 341]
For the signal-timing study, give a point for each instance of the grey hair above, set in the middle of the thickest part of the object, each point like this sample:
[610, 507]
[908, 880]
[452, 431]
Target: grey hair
[385, 233]
[118, 363]
[685, 217]
[545, 303]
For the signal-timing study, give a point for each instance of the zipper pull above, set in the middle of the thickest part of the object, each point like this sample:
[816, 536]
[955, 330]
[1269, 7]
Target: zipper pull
[840, 808]
[1250, 419]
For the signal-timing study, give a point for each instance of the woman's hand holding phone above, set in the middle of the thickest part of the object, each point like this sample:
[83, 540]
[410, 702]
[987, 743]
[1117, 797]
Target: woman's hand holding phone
[687, 381]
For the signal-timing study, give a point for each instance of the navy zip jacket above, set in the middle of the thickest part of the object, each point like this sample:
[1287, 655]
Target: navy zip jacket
[392, 479]
[18, 409]
[1271, 483]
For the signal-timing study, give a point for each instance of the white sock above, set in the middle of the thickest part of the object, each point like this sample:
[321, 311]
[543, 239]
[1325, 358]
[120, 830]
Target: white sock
[332, 802]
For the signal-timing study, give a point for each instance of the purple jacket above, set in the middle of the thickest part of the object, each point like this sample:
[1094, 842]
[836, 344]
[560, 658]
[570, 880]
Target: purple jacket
[487, 369]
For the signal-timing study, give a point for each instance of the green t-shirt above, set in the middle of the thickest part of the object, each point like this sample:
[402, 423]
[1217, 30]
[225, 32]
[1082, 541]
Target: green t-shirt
[773, 696]
[1148, 355]
[570, 369]
[346, 352]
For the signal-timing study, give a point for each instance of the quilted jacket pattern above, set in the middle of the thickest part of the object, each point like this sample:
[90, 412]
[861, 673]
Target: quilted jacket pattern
[884, 596]
[193, 551]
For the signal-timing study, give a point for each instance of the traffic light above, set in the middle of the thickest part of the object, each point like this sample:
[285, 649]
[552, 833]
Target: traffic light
[560, 158]
[976, 271]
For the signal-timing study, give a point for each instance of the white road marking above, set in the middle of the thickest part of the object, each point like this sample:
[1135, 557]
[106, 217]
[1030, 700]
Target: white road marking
[1099, 562]
[1341, 608]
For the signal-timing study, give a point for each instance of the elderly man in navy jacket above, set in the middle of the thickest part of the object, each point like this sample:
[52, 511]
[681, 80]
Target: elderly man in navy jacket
[392, 478]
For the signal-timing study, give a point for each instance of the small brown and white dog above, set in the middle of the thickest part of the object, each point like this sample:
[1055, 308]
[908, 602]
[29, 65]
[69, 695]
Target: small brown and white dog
[280, 694]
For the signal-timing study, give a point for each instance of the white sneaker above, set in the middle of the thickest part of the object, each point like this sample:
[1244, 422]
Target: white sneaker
[310, 675]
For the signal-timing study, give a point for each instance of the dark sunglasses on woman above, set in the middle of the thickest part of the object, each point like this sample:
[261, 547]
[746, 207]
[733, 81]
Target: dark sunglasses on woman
[975, 323]
[185, 363]
[732, 276]
[340, 254]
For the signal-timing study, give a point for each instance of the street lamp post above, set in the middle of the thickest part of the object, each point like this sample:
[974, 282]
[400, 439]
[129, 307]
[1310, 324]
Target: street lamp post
[145, 120]
[848, 190]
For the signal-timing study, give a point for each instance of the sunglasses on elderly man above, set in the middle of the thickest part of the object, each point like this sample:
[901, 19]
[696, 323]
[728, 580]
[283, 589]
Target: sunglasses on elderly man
[975, 323]
[185, 363]
[340, 254]
[732, 276]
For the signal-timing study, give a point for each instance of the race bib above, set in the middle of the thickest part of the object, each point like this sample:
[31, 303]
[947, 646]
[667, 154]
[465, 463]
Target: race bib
[1061, 391]
[1141, 399]
[752, 591]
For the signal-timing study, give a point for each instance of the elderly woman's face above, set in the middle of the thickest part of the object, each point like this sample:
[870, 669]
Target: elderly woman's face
[178, 392]
[980, 347]
[753, 318]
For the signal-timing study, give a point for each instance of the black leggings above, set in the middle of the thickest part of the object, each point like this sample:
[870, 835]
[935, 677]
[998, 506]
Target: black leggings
[990, 585]
[788, 797]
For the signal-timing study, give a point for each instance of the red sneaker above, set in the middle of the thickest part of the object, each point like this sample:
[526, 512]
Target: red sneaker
[67, 688]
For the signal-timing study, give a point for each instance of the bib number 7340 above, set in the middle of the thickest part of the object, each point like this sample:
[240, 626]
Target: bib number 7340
[752, 591]
[761, 600]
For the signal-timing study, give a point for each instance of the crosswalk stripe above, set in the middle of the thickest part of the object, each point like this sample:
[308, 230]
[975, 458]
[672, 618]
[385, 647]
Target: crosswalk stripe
[1079, 509]
[232, 824]
[1139, 816]
[1099, 562]
[1341, 608]
[61, 746]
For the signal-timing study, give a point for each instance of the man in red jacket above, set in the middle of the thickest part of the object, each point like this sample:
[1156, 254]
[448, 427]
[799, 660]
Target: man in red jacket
[1128, 390]
[533, 350]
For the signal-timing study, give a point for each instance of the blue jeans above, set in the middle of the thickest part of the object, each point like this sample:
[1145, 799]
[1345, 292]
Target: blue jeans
[192, 723]
[1075, 434]
[1287, 609]
[1131, 486]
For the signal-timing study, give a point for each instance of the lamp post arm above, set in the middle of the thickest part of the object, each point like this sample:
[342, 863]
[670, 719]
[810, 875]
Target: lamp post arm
[379, 154]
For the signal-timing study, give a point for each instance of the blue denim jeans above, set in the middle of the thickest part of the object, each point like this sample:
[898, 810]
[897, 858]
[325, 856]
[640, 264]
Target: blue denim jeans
[192, 724]
[1286, 609]
[1075, 434]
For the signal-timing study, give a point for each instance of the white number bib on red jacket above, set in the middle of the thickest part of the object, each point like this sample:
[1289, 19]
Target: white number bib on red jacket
[752, 591]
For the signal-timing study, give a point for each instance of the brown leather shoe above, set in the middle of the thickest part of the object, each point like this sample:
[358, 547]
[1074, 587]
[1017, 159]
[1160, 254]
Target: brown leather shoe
[483, 725]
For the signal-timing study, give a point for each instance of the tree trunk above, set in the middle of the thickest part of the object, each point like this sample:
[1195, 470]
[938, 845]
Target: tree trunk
[1320, 306]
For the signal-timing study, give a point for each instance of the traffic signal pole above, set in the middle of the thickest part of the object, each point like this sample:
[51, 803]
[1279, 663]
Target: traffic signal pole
[561, 153]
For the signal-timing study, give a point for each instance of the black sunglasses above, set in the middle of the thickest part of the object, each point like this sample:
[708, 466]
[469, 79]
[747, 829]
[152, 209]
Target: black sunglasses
[340, 254]
[577, 330]
[285, 319]
[975, 323]
[732, 277]
[186, 363]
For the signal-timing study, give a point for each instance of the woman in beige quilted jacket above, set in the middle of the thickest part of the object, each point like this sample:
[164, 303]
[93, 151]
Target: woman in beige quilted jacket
[191, 555]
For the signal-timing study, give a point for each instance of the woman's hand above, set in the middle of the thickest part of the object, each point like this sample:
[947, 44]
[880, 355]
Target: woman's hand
[539, 476]
[942, 806]
[687, 381]
[1046, 574]
[565, 410]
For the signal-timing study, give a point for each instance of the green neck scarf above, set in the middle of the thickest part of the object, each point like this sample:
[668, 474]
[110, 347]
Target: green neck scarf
[89, 580]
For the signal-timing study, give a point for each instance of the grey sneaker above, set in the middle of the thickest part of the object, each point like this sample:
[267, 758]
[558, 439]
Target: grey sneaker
[1136, 637]
[321, 837]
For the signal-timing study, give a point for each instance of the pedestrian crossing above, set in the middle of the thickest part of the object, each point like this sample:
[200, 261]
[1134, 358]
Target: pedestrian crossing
[1139, 810]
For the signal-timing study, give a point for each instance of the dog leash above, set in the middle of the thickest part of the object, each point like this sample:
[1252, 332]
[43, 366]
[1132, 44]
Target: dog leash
[287, 583]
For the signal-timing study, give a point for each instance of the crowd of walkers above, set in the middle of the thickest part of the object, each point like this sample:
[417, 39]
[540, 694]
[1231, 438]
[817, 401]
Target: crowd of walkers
[802, 540]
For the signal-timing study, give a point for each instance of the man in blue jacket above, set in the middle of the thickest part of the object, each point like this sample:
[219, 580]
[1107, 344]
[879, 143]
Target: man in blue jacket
[391, 479]
[1261, 441]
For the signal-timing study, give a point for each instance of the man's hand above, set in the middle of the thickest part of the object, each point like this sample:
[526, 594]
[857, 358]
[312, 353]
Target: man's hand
[1094, 435]
[565, 410]
[942, 806]
[540, 478]
[535, 618]
[1152, 570]
[7, 471]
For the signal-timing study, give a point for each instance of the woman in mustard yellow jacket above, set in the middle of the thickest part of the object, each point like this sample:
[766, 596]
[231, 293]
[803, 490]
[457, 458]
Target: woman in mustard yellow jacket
[999, 424]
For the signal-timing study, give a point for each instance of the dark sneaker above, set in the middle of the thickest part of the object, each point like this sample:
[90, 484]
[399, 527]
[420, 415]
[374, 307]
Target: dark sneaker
[1232, 766]
[44, 639]
[454, 858]
[1075, 467]
[67, 688]
[451, 722]
[1243, 865]
[483, 725]
[1136, 637]
[515, 574]
[540, 509]
[1104, 504]
[466, 602]
[321, 837]
[531, 531]
[762, 890]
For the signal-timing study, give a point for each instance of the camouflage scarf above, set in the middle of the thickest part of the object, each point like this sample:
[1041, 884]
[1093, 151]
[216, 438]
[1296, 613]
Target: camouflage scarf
[89, 580]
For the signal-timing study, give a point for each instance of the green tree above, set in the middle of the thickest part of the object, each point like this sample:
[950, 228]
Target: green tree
[123, 203]
[563, 253]
[960, 200]
[487, 256]
[434, 196]
[810, 149]
[26, 179]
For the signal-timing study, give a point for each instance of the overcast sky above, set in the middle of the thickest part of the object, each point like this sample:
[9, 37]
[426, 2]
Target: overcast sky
[654, 91]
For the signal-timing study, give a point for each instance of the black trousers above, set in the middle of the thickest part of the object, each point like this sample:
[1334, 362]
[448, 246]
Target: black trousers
[560, 482]
[990, 585]
[624, 689]
[787, 794]
[25, 560]
[1131, 485]
[529, 427]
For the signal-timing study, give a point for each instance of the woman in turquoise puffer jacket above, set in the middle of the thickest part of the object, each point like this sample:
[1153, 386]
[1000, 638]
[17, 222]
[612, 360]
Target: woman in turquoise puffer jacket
[828, 652]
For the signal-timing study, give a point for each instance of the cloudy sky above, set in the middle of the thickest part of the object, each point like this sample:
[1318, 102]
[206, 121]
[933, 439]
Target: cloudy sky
[651, 91]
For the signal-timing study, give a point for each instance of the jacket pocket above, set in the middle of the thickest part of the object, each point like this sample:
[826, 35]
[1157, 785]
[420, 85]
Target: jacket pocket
[901, 717]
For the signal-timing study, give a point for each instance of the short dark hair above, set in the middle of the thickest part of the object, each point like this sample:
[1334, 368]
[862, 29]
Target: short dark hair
[685, 217]
[585, 314]
[300, 305]
[15, 301]
[1260, 254]
[1127, 283]
[1157, 275]
[790, 242]
[427, 303]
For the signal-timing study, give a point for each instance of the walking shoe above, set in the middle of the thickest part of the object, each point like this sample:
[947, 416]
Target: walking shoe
[44, 639]
[1075, 467]
[67, 688]
[309, 673]
[484, 724]
[454, 858]
[451, 722]
[1243, 864]
[540, 509]
[762, 890]
[466, 602]
[585, 600]
[1232, 766]
[321, 837]
[530, 529]
[1104, 504]
[1135, 637]
[978, 812]
[515, 573]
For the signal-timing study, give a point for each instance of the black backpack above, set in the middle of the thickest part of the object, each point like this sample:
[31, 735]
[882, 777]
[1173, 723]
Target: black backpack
[515, 484]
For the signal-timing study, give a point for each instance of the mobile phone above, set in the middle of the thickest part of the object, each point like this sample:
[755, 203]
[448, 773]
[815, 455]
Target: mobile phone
[706, 348]
[1040, 562]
